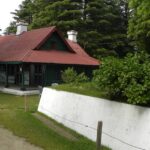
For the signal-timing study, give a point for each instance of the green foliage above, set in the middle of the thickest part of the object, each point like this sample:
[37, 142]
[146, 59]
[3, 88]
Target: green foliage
[126, 79]
[101, 24]
[25, 12]
[106, 23]
[70, 76]
[106, 77]
[139, 23]
[81, 78]
[64, 14]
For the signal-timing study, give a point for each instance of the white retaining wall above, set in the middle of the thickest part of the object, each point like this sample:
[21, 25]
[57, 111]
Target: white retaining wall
[125, 127]
[18, 92]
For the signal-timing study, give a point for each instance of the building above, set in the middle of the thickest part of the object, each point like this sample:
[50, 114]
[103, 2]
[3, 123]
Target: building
[37, 57]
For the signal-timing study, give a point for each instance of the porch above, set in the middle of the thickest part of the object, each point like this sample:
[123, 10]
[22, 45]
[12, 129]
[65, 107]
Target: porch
[29, 75]
[24, 76]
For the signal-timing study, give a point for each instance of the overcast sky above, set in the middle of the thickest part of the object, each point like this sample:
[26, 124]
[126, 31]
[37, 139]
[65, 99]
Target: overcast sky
[7, 6]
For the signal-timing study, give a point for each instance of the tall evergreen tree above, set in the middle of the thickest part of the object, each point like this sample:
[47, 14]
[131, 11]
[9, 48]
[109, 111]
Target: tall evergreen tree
[105, 28]
[139, 23]
[125, 43]
[25, 12]
[65, 14]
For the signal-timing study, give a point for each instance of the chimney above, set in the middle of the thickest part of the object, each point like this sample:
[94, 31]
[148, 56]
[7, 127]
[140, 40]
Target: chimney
[72, 35]
[21, 27]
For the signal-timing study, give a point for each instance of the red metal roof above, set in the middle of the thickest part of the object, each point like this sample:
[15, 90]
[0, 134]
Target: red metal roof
[23, 47]
[59, 57]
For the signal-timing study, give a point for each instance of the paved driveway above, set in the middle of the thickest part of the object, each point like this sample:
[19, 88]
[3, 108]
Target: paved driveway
[8, 141]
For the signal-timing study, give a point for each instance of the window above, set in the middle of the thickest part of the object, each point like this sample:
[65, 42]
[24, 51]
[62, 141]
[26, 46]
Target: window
[38, 75]
[11, 70]
[2, 68]
[53, 45]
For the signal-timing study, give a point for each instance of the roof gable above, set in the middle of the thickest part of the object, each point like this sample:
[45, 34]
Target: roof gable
[54, 42]
[61, 40]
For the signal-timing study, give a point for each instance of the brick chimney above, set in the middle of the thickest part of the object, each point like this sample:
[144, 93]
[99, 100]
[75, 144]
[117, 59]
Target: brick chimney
[72, 35]
[21, 27]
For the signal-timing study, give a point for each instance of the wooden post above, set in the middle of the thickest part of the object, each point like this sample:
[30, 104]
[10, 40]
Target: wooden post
[22, 77]
[6, 82]
[25, 103]
[99, 135]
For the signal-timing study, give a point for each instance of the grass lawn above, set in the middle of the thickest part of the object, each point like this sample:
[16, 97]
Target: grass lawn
[85, 88]
[24, 124]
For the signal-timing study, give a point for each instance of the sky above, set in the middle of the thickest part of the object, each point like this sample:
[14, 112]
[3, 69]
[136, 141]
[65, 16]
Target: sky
[7, 6]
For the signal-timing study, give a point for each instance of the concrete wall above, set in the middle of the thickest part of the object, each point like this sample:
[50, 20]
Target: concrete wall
[125, 127]
[18, 91]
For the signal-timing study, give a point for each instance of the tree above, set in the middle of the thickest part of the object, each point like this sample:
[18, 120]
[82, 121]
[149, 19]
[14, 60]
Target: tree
[70, 76]
[11, 28]
[105, 28]
[126, 79]
[65, 14]
[25, 12]
[139, 23]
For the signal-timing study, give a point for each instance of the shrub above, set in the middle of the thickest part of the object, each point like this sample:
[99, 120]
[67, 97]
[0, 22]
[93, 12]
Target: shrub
[81, 78]
[106, 77]
[70, 76]
[127, 78]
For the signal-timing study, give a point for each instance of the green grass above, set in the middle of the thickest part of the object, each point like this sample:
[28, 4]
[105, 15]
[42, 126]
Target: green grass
[24, 124]
[88, 89]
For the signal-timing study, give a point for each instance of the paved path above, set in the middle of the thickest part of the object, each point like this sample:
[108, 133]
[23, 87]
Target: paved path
[8, 141]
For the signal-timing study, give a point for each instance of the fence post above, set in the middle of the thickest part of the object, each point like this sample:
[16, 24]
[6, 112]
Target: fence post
[40, 88]
[25, 103]
[99, 135]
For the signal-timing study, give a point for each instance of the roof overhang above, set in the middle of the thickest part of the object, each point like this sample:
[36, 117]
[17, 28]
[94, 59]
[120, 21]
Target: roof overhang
[10, 62]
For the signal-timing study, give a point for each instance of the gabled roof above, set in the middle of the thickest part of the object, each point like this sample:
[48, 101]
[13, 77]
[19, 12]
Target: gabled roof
[23, 48]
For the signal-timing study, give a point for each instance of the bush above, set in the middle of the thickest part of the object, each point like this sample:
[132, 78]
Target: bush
[127, 78]
[81, 78]
[71, 76]
[106, 77]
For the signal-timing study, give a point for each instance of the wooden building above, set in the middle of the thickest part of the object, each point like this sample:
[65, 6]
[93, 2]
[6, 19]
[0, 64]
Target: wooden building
[37, 57]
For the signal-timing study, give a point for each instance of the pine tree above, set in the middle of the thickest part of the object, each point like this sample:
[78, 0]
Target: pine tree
[105, 28]
[65, 14]
[139, 23]
[25, 12]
